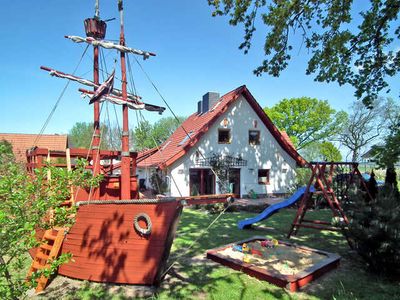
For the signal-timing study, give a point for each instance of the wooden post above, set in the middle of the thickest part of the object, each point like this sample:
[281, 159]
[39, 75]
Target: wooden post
[69, 168]
[48, 160]
[96, 124]
[125, 155]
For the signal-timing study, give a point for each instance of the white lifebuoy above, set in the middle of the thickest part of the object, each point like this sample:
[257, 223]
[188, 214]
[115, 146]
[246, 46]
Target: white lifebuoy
[146, 218]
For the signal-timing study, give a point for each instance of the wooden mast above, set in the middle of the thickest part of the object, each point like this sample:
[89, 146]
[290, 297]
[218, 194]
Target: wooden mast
[96, 28]
[125, 158]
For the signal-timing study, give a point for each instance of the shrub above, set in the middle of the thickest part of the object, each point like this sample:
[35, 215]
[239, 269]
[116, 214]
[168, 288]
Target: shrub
[158, 182]
[25, 203]
[374, 229]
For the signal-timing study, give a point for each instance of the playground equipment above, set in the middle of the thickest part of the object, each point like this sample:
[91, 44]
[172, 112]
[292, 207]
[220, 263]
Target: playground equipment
[270, 210]
[331, 180]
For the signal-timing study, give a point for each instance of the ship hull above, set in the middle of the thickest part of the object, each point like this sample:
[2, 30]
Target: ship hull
[106, 247]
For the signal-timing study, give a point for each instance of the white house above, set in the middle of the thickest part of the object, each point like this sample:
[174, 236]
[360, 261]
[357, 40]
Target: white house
[231, 133]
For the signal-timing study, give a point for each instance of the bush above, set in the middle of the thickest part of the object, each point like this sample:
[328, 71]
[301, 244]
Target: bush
[374, 229]
[303, 176]
[158, 182]
[216, 208]
[25, 203]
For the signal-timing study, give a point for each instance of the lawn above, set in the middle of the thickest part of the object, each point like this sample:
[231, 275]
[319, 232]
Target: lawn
[202, 279]
[350, 281]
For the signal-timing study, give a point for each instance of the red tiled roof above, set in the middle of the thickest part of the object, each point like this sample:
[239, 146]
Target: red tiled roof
[21, 142]
[196, 125]
[287, 138]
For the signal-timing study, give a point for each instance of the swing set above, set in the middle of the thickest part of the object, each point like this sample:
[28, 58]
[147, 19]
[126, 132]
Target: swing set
[331, 180]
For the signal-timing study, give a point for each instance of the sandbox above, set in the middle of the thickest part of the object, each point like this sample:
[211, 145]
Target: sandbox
[283, 264]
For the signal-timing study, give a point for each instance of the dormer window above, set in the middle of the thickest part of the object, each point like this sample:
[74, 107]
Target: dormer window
[224, 136]
[254, 137]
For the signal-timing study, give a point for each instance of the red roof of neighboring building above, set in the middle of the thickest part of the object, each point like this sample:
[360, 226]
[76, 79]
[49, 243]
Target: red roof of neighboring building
[196, 126]
[21, 142]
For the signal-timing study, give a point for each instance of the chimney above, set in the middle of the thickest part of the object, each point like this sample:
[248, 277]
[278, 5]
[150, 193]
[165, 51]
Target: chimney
[209, 100]
[199, 108]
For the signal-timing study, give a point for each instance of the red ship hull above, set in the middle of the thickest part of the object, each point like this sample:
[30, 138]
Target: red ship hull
[105, 246]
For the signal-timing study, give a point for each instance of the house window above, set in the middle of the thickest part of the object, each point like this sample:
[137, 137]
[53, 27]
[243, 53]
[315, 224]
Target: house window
[263, 176]
[224, 136]
[254, 137]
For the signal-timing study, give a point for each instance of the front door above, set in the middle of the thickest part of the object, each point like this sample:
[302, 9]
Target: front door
[201, 182]
[234, 181]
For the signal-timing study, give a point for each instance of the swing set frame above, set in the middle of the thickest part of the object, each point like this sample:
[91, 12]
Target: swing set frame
[322, 179]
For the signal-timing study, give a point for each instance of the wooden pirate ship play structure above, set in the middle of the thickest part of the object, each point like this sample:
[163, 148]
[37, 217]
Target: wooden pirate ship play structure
[116, 237]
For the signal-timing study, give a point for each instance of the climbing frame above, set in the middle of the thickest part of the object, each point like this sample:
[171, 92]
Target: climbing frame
[322, 176]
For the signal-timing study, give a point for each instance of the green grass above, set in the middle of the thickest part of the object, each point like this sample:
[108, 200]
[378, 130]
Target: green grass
[202, 280]
[349, 281]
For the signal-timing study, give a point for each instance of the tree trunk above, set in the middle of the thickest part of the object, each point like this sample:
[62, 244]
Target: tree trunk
[354, 157]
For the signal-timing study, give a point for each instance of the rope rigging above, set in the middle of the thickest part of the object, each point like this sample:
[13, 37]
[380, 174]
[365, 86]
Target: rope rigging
[58, 100]
[187, 250]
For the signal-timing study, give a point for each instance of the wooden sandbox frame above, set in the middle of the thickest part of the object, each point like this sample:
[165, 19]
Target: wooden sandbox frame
[291, 282]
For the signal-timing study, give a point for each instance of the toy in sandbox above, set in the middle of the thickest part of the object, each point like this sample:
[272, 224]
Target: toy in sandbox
[280, 263]
[331, 182]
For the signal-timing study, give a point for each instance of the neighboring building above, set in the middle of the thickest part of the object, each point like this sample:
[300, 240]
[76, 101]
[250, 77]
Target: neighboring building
[231, 131]
[22, 142]
[369, 160]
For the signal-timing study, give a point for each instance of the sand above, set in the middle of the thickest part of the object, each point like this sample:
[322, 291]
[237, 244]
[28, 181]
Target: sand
[284, 259]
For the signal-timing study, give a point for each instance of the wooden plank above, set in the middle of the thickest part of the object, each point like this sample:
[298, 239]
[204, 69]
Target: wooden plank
[318, 227]
[69, 168]
[106, 247]
[41, 260]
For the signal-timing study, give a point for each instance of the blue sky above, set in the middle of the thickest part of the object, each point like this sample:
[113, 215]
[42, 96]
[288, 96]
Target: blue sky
[196, 53]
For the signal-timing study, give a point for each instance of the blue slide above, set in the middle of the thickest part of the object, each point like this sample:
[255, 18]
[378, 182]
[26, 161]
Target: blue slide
[270, 210]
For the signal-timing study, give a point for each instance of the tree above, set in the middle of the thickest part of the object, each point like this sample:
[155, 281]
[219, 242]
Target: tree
[321, 151]
[146, 135]
[164, 127]
[142, 136]
[374, 229]
[81, 134]
[388, 154]
[306, 120]
[25, 202]
[362, 126]
[347, 44]
[6, 153]
[329, 152]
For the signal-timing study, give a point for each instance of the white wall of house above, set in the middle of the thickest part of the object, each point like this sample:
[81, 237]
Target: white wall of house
[268, 155]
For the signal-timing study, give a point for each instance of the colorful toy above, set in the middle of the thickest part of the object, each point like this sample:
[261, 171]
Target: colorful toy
[237, 248]
[245, 248]
[246, 259]
[256, 252]
[270, 243]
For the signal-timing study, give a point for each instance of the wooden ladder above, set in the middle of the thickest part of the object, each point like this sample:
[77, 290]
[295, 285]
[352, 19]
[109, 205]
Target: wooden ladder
[47, 251]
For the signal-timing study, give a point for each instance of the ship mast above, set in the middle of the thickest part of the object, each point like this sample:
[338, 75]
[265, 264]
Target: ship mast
[125, 157]
[96, 28]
